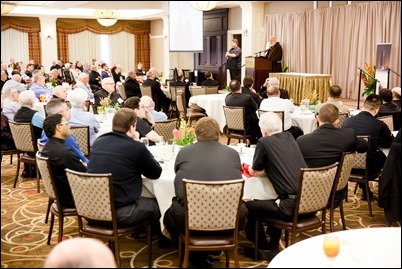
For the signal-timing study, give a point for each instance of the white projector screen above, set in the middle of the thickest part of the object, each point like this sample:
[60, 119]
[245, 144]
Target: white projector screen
[185, 27]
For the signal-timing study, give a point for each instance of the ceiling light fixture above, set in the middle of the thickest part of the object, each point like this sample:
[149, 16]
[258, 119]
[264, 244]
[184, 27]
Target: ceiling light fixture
[203, 5]
[7, 6]
[106, 17]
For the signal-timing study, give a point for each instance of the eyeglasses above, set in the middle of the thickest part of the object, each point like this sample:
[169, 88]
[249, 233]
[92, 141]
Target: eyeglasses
[64, 123]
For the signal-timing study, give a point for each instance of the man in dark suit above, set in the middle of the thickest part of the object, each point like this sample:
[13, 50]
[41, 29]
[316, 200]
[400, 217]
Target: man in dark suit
[284, 94]
[326, 144]
[160, 99]
[248, 83]
[107, 91]
[239, 99]
[209, 80]
[365, 123]
[224, 166]
[131, 85]
[274, 54]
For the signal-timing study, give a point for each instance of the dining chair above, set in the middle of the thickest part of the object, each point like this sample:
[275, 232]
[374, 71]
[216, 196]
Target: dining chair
[187, 113]
[54, 202]
[121, 90]
[174, 90]
[81, 133]
[25, 143]
[342, 118]
[196, 90]
[211, 89]
[396, 119]
[281, 115]
[146, 90]
[212, 210]
[345, 167]
[388, 120]
[5, 126]
[313, 193]
[235, 123]
[165, 129]
[94, 199]
[359, 173]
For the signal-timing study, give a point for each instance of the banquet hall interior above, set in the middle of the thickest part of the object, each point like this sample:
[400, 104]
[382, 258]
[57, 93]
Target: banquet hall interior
[324, 43]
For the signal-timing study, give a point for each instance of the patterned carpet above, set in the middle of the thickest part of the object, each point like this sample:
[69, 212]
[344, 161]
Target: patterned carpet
[24, 233]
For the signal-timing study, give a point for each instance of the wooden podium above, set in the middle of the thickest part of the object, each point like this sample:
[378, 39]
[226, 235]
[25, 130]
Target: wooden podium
[259, 69]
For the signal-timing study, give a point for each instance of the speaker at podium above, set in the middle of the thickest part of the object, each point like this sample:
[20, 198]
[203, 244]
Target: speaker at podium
[259, 69]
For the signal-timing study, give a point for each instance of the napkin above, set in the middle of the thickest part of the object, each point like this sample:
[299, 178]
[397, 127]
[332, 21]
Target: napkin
[244, 170]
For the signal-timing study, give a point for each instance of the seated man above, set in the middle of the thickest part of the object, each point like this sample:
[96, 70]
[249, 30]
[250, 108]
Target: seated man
[149, 104]
[239, 99]
[145, 120]
[107, 91]
[209, 80]
[365, 123]
[56, 127]
[334, 92]
[396, 96]
[118, 153]
[225, 165]
[277, 156]
[388, 106]
[284, 94]
[326, 144]
[58, 106]
[160, 99]
[131, 85]
[248, 83]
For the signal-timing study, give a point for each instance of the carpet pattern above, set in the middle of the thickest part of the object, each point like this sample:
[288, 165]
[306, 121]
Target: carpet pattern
[24, 232]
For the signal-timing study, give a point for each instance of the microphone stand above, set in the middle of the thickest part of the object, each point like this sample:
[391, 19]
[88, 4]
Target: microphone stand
[360, 84]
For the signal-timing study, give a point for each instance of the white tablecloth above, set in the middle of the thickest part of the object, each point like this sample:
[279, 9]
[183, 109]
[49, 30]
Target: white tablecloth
[304, 120]
[364, 248]
[213, 105]
[163, 188]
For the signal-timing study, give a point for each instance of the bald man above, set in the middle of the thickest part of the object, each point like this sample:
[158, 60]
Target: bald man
[80, 253]
[274, 54]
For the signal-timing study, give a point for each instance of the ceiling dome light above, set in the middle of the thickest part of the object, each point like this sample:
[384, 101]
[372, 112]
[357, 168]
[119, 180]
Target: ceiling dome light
[106, 17]
[203, 5]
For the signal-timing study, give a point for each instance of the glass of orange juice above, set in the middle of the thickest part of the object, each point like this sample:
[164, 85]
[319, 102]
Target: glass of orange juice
[331, 247]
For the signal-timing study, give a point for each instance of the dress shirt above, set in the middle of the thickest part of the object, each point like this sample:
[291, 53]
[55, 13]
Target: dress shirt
[87, 87]
[40, 90]
[10, 108]
[279, 104]
[158, 115]
[12, 83]
[80, 117]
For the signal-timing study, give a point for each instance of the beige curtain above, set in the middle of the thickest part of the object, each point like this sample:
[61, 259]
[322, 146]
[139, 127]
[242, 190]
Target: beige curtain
[337, 40]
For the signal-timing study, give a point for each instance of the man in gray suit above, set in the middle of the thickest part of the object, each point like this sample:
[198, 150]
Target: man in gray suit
[207, 159]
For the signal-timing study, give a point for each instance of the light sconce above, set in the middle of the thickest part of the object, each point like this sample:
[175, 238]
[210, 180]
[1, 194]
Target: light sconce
[49, 37]
[7, 6]
[106, 17]
[245, 32]
[203, 5]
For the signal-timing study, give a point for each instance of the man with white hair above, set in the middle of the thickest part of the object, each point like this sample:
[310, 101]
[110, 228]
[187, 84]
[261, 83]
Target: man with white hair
[28, 115]
[80, 252]
[284, 94]
[271, 159]
[38, 86]
[10, 102]
[83, 83]
[15, 82]
[68, 75]
[80, 116]
[60, 92]
[107, 91]
[149, 104]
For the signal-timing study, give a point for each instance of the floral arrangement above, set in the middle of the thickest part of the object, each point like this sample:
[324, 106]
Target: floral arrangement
[105, 104]
[184, 135]
[369, 82]
[313, 97]
[42, 98]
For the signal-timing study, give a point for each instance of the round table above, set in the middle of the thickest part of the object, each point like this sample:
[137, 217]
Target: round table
[369, 247]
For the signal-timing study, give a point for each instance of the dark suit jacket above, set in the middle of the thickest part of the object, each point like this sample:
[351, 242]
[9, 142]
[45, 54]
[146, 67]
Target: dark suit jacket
[275, 56]
[325, 145]
[284, 94]
[132, 87]
[365, 124]
[255, 96]
[160, 99]
[102, 93]
[246, 101]
[210, 82]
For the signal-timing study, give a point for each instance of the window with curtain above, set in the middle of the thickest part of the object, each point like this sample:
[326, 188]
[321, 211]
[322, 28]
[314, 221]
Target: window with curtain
[112, 49]
[19, 50]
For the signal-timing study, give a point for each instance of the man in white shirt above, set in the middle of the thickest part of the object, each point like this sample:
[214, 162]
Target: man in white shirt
[149, 104]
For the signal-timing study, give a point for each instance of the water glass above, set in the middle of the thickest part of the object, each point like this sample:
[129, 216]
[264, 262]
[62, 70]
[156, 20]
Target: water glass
[241, 146]
[145, 141]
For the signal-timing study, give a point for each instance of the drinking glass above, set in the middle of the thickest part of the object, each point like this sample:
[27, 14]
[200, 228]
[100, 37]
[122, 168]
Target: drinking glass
[331, 247]
[145, 141]
[241, 146]
[160, 141]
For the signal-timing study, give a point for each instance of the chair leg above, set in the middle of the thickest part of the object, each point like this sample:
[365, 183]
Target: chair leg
[186, 256]
[236, 258]
[357, 184]
[287, 238]
[331, 219]
[61, 223]
[342, 215]
[117, 252]
[347, 192]
[37, 179]
[18, 172]
[149, 242]
[228, 140]
[49, 237]
[49, 204]
[368, 199]
[256, 241]
[180, 253]
[227, 258]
